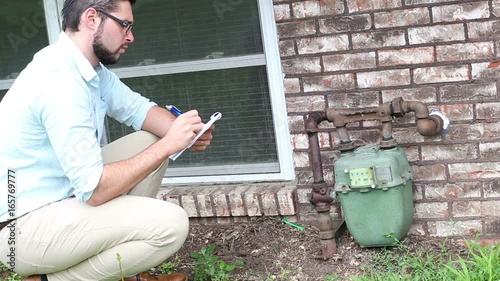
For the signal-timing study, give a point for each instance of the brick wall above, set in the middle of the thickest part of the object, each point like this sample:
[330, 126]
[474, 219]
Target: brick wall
[358, 53]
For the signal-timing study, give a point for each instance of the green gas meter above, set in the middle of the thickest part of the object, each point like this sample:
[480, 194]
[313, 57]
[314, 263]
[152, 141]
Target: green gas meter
[375, 190]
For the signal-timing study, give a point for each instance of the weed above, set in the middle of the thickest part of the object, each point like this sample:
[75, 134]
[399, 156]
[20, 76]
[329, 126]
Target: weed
[119, 258]
[169, 267]
[210, 267]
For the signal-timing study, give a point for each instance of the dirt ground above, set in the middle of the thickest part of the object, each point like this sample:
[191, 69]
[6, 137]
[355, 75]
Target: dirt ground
[270, 248]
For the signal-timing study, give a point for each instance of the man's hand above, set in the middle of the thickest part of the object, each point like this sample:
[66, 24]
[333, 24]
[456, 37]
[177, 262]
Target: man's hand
[183, 131]
[204, 141]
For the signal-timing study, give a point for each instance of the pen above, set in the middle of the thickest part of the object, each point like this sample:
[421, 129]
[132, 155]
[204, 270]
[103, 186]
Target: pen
[174, 110]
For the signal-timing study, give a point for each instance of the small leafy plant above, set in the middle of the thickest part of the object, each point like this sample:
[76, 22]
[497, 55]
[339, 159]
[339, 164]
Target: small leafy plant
[169, 267]
[210, 267]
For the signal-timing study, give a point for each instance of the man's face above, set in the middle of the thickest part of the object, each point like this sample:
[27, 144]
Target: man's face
[111, 39]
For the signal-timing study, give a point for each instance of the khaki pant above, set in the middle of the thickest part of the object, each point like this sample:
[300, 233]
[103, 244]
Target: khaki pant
[68, 240]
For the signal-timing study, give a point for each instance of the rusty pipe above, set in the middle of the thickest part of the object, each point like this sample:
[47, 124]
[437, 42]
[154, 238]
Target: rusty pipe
[320, 194]
[311, 126]
[427, 125]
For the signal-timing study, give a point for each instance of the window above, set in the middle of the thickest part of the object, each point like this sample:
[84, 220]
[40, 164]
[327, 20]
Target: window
[23, 31]
[212, 56]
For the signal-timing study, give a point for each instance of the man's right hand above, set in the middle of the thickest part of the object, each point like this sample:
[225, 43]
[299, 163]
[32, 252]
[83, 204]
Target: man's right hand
[182, 132]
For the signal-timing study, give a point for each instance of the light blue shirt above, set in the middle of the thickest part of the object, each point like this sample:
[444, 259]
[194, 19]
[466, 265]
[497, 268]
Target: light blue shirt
[52, 121]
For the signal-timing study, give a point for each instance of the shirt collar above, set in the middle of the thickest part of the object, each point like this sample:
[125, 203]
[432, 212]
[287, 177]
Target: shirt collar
[82, 63]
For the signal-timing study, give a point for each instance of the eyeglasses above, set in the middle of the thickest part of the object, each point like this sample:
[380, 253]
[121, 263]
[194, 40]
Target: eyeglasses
[126, 25]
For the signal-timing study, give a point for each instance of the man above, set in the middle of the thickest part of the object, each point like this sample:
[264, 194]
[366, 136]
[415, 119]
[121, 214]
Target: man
[70, 208]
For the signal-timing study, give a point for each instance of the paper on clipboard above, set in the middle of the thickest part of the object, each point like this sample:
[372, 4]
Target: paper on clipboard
[216, 116]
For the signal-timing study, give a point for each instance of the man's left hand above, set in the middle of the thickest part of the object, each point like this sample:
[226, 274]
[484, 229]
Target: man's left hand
[204, 141]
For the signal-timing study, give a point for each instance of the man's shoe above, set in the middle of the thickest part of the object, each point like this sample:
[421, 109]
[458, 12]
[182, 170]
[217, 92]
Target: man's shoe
[146, 277]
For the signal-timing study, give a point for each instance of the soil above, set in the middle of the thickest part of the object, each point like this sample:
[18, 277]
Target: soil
[272, 250]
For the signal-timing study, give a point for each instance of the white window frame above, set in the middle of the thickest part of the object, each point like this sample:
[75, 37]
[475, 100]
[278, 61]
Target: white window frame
[270, 59]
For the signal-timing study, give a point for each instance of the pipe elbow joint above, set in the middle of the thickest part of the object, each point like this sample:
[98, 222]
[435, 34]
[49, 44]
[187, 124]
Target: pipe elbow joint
[313, 120]
[430, 126]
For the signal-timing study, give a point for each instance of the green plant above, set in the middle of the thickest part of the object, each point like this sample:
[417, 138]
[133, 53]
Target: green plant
[169, 267]
[332, 277]
[119, 258]
[12, 275]
[210, 267]
[483, 264]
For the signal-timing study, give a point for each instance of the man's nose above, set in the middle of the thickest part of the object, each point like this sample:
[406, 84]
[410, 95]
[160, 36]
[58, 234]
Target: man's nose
[130, 37]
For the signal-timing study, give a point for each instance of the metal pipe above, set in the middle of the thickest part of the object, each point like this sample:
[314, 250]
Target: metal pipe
[427, 125]
[320, 194]
[311, 126]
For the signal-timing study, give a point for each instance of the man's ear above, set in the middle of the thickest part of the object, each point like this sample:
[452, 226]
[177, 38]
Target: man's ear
[90, 19]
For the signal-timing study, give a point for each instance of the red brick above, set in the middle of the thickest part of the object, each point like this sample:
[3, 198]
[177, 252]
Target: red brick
[251, 199]
[286, 201]
[452, 191]
[496, 8]
[491, 189]
[307, 9]
[189, 205]
[431, 210]
[301, 159]
[406, 56]
[378, 39]
[305, 103]
[384, 78]
[287, 48]
[467, 51]
[460, 12]
[296, 123]
[353, 100]
[282, 12]
[269, 203]
[466, 209]
[458, 112]
[490, 209]
[464, 171]
[483, 30]
[454, 228]
[441, 74]
[323, 44]
[484, 72]
[296, 29]
[435, 172]
[423, 94]
[236, 203]
[449, 152]
[292, 85]
[469, 92]
[407, 135]
[205, 205]
[465, 132]
[345, 24]
[328, 83]
[407, 17]
[349, 61]
[301, 65]
[489, 151]
[363, 5]
[436, 34]
[488, 111]
[221, 205]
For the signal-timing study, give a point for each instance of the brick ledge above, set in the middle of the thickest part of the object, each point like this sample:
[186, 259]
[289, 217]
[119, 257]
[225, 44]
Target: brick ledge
[237, 200]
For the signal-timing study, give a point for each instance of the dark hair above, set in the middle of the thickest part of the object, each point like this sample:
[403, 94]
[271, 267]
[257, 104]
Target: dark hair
[73, 10]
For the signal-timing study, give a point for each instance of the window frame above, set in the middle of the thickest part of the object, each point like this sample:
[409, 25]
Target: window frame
[270, 58]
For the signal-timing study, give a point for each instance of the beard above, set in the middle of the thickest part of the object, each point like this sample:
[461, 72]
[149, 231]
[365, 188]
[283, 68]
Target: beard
[104, 54]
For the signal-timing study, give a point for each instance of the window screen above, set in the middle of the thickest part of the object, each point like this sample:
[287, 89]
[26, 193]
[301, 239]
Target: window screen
[179, 30]
[176, 31]
[244, 135]
[23, 32]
